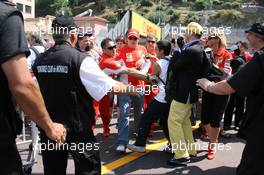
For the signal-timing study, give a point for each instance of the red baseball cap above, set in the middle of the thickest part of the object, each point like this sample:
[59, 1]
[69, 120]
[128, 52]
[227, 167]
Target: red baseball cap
[133, 32]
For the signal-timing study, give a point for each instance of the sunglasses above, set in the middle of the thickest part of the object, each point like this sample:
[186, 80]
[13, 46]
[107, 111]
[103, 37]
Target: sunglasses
[151, 42]
[111, 47]
[212, 37]
[133, 38]
[88, 35]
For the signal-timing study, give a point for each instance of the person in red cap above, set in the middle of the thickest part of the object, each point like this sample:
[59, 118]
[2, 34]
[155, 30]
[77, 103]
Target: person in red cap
[131, 55]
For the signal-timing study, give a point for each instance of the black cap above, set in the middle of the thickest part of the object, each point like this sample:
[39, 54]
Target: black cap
[64, 21]
[257, 28]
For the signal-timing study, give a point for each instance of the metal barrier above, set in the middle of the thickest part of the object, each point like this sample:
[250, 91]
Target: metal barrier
[33, 144]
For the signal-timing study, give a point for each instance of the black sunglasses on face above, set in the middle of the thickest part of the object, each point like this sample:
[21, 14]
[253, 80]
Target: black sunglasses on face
[151, 42]
[133, 38]
[111, 47]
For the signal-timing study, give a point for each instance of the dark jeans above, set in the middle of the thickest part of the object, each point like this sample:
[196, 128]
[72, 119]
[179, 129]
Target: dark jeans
[235, 101]
[154, 111]
[84, 150]
[10, 161]
[252, 158]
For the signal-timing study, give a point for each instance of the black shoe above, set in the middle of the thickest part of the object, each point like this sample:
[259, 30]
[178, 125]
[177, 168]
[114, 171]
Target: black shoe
[178, 162]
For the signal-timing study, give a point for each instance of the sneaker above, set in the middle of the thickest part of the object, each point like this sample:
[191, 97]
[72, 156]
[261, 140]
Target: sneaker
[121, 148]
[178, 162]
[211, 151]
[135, 148]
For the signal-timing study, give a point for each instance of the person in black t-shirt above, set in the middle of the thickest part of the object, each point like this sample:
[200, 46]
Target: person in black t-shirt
[235, 101]
[248, 82]
[16, 81]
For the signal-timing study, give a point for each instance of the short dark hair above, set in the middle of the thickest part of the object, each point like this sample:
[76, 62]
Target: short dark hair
[104, 42]
[165, 46]
[60, 37]
[180, 42]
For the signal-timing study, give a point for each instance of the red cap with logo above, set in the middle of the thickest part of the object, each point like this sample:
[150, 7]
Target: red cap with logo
[133, 32]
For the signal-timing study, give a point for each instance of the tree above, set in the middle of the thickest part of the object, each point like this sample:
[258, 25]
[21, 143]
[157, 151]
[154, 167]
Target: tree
[61, 7]
[43, 8]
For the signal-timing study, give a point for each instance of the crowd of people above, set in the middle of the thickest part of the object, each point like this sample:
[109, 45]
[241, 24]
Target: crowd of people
[160, 80]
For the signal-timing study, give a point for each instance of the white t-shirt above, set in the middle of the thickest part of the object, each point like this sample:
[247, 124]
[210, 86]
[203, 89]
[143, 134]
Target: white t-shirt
[95, 81]
[164, 64]
[32, 57]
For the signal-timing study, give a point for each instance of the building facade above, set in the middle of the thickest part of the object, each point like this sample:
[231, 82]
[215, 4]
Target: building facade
[27, 7]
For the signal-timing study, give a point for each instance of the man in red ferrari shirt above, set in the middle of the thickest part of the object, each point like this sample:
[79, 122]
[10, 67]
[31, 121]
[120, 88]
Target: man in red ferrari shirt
[111, 67]
[131, 55]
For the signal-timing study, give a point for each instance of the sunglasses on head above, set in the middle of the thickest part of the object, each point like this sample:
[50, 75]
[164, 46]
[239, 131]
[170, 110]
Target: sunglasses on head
[151, 41]
[133, 38]
[212, 37]
[111, 47]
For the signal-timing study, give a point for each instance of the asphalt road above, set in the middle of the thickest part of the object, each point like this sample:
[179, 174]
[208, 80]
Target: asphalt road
[154, 162]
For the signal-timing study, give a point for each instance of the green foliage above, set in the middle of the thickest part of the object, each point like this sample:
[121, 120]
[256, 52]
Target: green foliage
[145, 10]
[170, 12]
[174, 16]
[156, 17]
[227, 17]
[202, 4]
[217, 2]
[192, 17]
[61, 7]
[146, 3]
[100, 5]
[111, 18]
[162, 8]
[43, 8]
[230, 5]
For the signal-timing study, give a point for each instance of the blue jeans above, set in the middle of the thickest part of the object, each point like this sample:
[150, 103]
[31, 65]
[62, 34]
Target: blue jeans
[123, 126]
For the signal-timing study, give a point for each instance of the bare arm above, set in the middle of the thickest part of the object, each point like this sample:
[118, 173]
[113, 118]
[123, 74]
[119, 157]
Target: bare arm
[135, 73]
[220, 88]
[28, 96]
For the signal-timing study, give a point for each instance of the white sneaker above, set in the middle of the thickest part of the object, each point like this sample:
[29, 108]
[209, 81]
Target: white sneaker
[121, 148]
[140, 149]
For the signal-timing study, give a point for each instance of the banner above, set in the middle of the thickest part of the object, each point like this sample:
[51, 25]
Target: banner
[144, 26]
